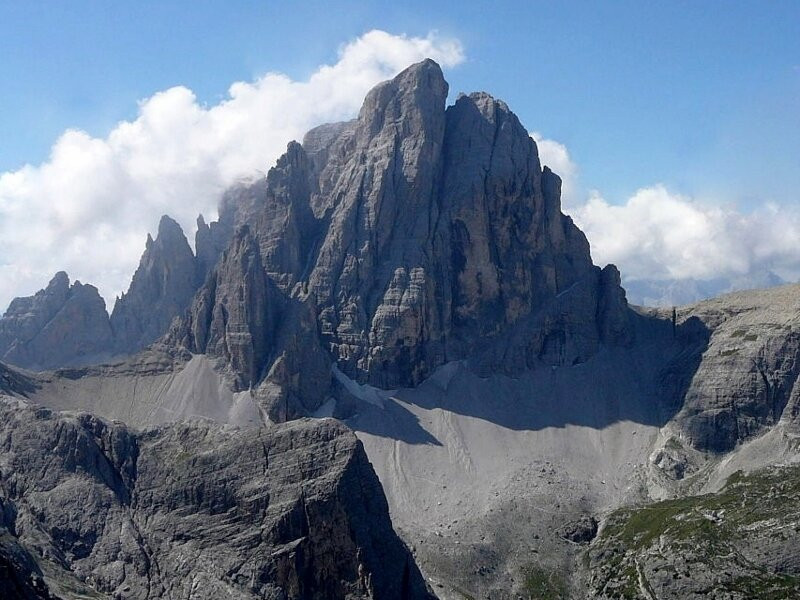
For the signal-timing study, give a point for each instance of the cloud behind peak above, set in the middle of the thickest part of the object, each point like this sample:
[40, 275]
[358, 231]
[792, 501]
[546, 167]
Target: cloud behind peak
[88, 208]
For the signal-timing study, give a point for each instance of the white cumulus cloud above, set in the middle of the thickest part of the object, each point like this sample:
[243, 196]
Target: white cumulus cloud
[659, 235]
[87, 209]
[556, 156]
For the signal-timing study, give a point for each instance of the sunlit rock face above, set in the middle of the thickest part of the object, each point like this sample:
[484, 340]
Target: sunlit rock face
[415, 235]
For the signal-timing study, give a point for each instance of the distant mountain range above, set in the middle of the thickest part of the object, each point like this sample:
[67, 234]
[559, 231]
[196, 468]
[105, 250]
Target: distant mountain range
[675, 292]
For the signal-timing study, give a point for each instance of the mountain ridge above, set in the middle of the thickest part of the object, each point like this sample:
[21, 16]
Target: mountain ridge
[410, 273]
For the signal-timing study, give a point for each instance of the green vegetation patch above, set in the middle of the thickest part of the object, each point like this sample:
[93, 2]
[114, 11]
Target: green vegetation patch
[742, 333]
[736, 532]
[543, 584]
[744, 500]
[765, 585]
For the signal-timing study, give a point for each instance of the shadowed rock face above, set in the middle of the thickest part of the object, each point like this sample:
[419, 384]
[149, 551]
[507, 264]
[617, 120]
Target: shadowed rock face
[416, 236]
[14, 383]
[61, 325]
[240, 204]
[234, 314]
[294, 512]
[20, 577]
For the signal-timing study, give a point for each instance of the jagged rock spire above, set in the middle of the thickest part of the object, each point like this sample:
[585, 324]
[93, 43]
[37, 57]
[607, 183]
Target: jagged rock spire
[162, 287]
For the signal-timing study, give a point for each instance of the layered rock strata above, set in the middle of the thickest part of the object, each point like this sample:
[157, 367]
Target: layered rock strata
[293, 512]
[416, 235]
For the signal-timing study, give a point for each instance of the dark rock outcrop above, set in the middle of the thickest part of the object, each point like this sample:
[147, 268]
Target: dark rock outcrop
[581, 531]
[291, 512]
[161, 289]
[61, 325]
[20, 576]
[260, 335]
[235, 313]
[15, 383]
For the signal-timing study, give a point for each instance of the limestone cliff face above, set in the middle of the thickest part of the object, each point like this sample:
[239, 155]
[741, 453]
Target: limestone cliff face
[61, 325]
[234, 314]
[383, 215]
[162, 287]
[445, 236]
[740, 374]
[419, 235]
[261, 336]
[291, 512]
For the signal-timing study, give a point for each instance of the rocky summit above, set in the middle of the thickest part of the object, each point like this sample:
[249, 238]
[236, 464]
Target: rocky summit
[414, 236]
[397, 322]
[62, 325]
[161, 288]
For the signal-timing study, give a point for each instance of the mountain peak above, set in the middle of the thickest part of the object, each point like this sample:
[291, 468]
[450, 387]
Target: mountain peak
[426, 71]
[61, 325]
[160, 289]
[168, 229]
[414, 99]
[59, 280]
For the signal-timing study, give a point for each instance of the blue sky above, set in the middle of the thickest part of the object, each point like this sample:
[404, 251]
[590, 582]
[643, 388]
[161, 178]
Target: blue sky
[676, 125]
[701, 96]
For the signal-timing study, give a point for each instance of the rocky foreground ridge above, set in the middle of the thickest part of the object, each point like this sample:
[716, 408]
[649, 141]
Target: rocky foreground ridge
[410, 272]
[739, 542]
[93, 509]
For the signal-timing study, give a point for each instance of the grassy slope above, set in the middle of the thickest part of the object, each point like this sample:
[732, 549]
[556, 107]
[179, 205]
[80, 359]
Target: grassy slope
[742, 540]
